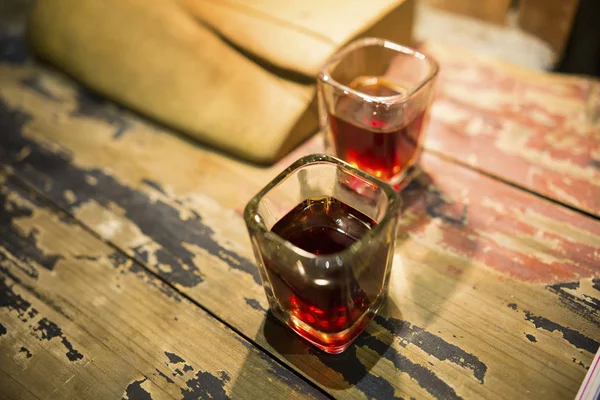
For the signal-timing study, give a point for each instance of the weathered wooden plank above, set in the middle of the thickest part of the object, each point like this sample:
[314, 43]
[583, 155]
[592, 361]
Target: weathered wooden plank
[80, 320]
[540, 131]
[475, 309]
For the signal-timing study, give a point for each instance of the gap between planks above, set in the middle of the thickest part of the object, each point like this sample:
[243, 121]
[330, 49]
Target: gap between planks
[59, 210]
[515, 185]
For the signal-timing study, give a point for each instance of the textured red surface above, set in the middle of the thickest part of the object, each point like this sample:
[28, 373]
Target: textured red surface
[539, 131]
[514, 232]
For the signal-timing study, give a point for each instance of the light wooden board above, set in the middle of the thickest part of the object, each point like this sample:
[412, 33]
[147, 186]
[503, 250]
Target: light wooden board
[540, 131]
[494, 292]
[80, 320]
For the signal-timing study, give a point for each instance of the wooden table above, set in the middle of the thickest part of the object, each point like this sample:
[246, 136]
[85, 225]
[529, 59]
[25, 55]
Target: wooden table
[126, 270]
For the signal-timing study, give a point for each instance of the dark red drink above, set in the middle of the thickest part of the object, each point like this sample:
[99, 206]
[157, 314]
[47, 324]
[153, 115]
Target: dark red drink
[381, 140]
[323, 226]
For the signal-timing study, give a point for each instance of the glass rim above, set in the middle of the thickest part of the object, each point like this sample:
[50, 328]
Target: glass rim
[254, 222]
[325, 76]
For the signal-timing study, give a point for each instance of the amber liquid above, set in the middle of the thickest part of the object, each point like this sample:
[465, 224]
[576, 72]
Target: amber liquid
[321, 226]
[378, 145]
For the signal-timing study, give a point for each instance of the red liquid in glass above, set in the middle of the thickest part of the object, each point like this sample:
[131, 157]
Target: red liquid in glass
[379, 146]
[322, 226]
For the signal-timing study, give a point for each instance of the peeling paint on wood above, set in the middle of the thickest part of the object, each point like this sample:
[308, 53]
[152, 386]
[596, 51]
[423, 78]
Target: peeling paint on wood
[135, 391]
[532, 129]
[44, 330]
[454, 217]
[115, 334]
[469, 245]
[433, 345]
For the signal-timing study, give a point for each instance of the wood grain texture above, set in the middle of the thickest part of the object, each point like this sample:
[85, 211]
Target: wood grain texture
[494, 291]
[80, 320]
[539, 131]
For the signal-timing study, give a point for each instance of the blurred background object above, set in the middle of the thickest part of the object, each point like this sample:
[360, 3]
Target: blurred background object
[452, 22]
[549, 20]
[494, 11]
[582, 53]
[251, 66]
[561, 35]
[12, 11]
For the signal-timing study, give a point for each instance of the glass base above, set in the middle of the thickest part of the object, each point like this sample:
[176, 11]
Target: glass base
[398, 182]
[402, 180]
[331, 343]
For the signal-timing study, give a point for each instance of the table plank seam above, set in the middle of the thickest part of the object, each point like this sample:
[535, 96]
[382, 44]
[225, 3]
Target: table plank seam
[512, 184]
[59, 210]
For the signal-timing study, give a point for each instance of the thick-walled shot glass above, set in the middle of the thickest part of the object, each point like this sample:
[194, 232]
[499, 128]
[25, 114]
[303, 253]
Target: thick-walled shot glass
[326, 297]
[374, 98]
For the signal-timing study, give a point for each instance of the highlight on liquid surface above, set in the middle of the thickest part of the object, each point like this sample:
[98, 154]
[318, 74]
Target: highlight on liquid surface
[322, 226]
[377, 143]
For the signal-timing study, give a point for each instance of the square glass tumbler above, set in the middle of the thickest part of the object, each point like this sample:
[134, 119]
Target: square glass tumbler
[374, 98]
[327, 299]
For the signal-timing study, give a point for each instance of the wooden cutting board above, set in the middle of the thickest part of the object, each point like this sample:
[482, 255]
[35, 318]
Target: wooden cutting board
[237, 76]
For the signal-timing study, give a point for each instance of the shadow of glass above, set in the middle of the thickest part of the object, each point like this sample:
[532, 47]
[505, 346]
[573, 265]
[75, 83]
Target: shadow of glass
[311, 372]
[425, 202]
[334, 371]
